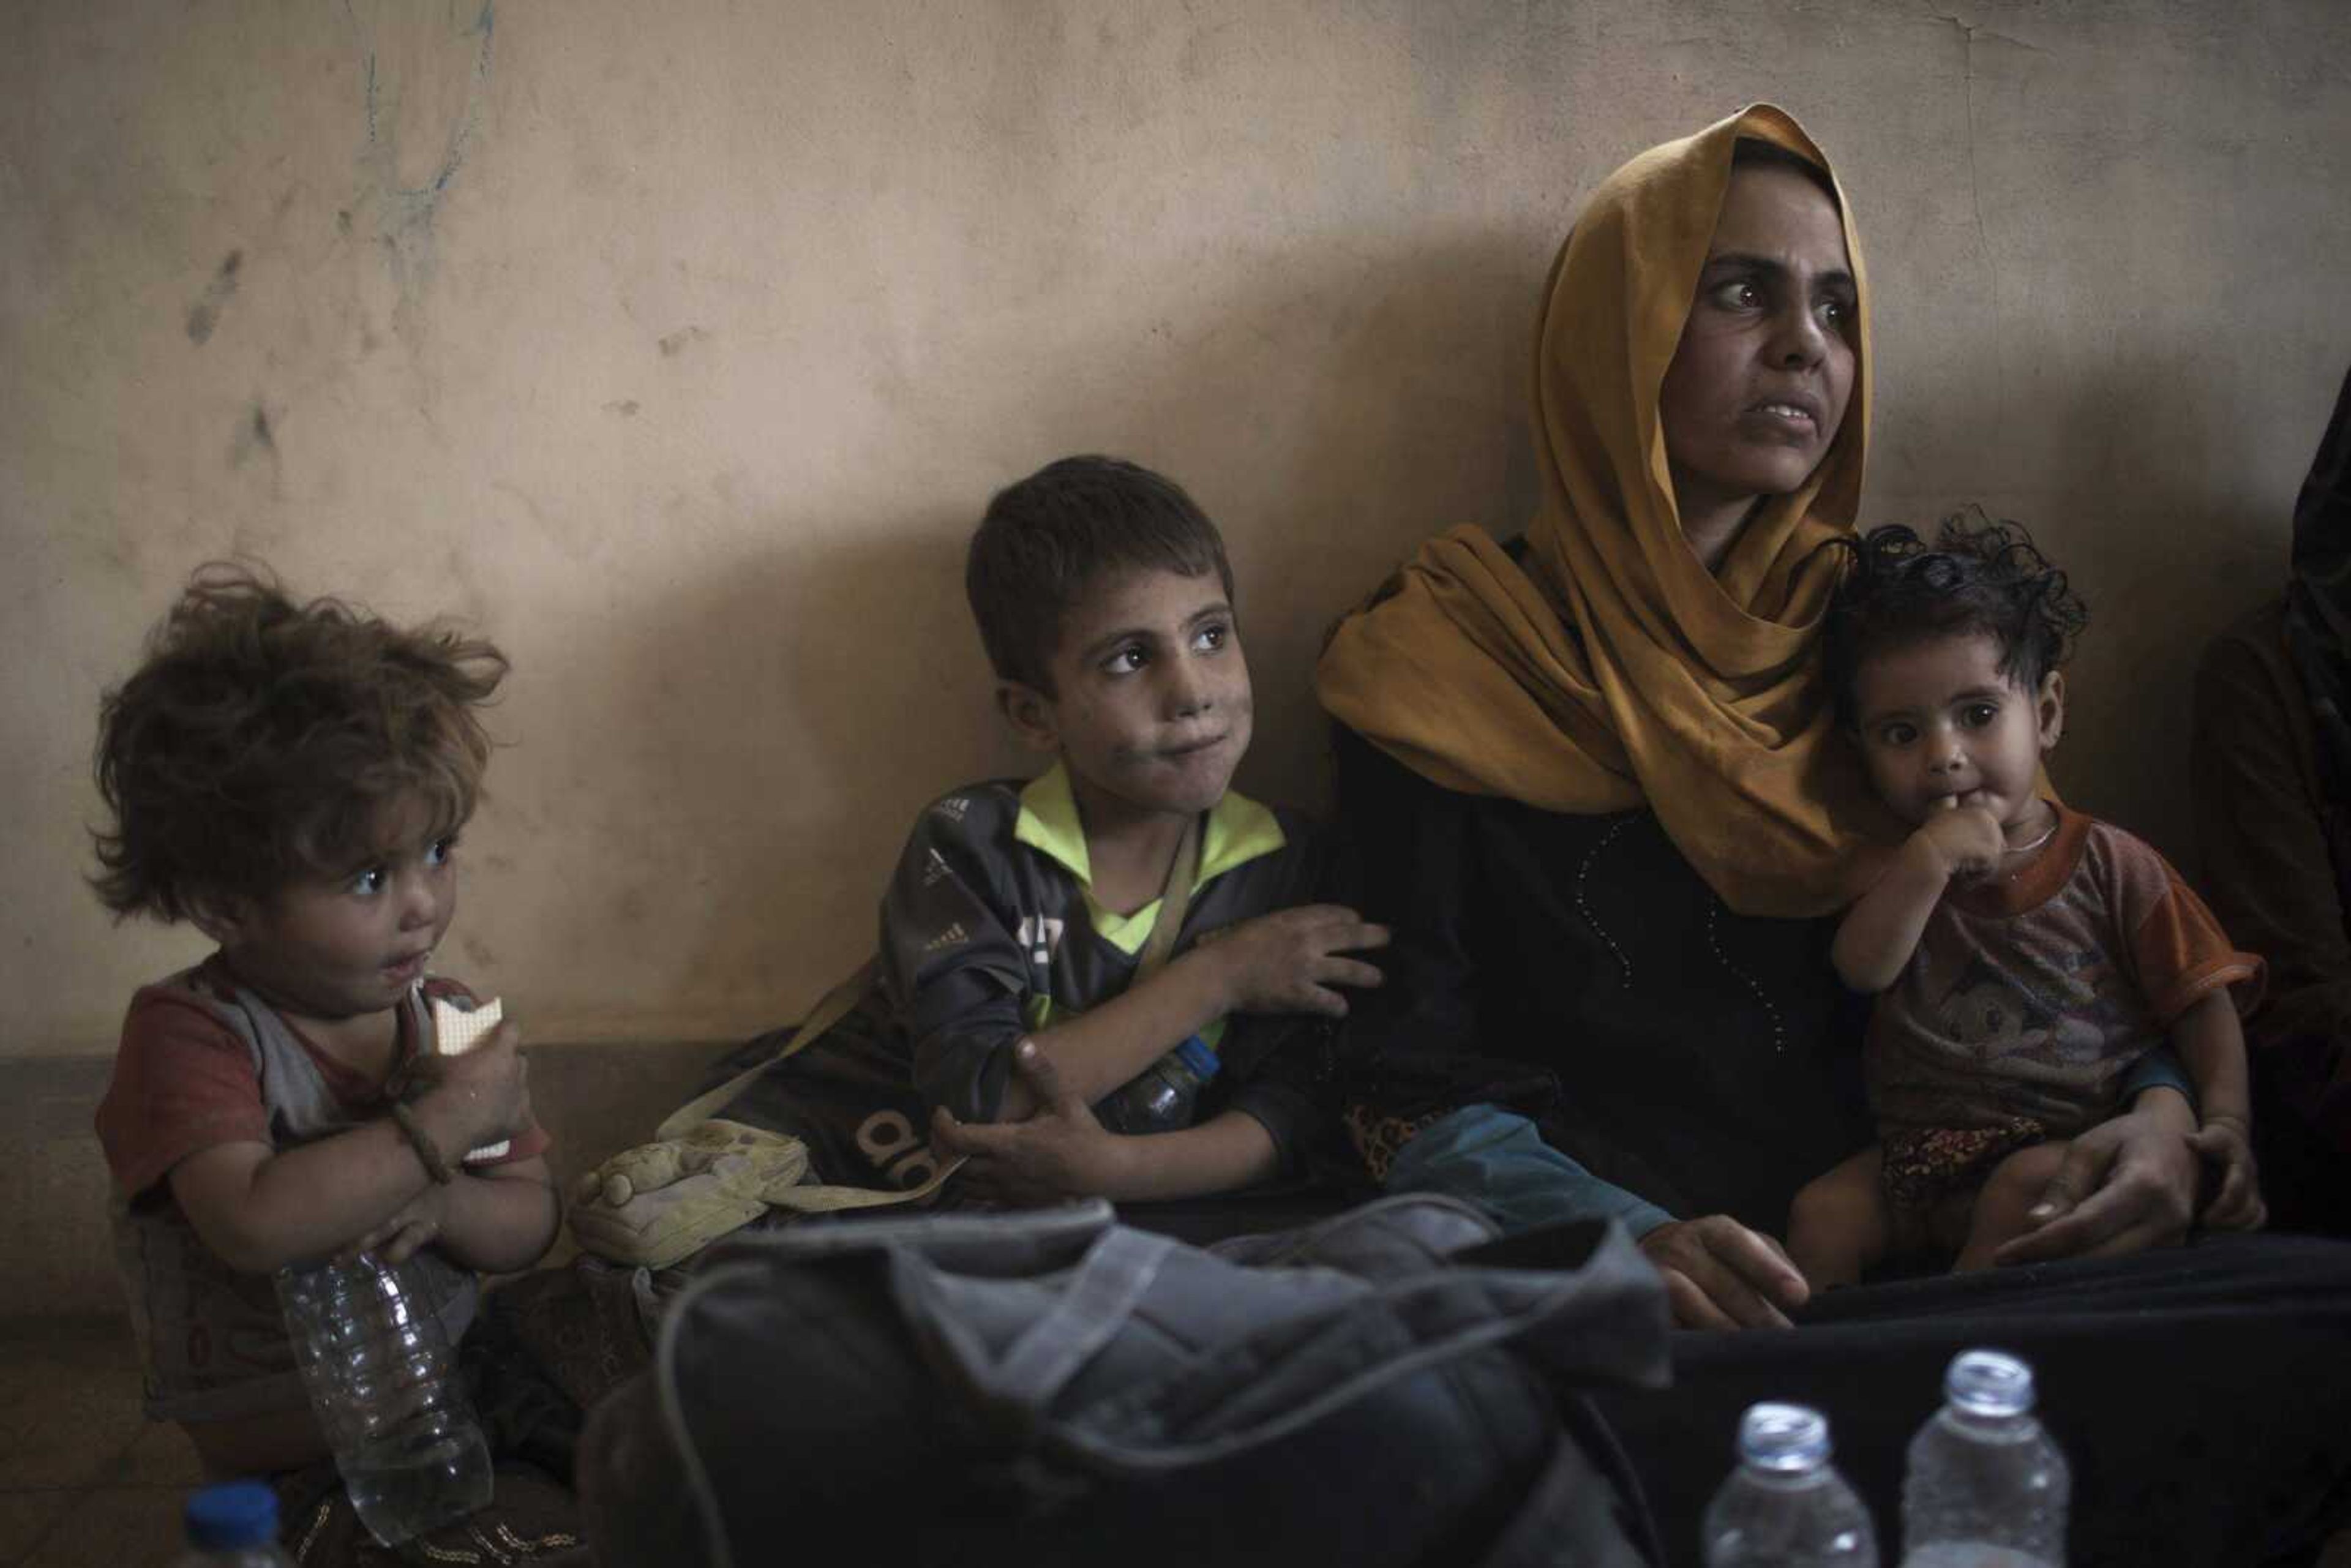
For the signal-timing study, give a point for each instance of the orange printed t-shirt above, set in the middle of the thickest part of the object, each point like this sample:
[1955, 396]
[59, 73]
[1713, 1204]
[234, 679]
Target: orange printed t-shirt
[2032, 995]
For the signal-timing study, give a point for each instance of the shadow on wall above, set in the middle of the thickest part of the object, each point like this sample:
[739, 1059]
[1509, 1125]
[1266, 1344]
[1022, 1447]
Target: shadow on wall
[2143, 500]
[1331, 419]
[842, 682]
[757, 751]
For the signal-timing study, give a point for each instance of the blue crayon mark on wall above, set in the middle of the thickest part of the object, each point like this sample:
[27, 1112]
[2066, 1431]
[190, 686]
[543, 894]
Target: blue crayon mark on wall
[405, 210]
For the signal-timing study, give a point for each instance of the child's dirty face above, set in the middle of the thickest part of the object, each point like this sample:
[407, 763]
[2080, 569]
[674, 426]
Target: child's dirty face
[1941, 726]
[1151, 707]
[335, 948]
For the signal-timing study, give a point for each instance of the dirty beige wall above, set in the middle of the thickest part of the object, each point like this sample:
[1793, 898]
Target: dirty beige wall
[677, 347]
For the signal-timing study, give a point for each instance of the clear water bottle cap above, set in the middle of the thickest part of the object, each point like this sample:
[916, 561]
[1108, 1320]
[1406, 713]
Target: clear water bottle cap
[1785, 1438]
[232, 1514]
[1195, 1055]
[1989, 1382]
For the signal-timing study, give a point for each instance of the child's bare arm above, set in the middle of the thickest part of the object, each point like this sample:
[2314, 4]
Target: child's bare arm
[260, 1208]
[1061, 1151]
[1881, 930]
[1105, 1046]
[1285, 962]
[1229, 1151]
[499, 1219]
[2211, 1045]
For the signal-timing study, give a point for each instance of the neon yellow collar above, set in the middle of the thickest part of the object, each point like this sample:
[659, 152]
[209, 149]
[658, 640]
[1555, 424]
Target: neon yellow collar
[1238, 831]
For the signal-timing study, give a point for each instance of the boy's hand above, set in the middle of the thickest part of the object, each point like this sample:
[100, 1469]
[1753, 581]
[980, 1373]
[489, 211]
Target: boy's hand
[1287, 961]
[2227, 1149]
[410, 1231]
[1060, 1152]
[1964, 841]
[480, 1097]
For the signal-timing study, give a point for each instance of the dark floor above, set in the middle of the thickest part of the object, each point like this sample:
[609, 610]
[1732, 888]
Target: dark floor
[85, 1478]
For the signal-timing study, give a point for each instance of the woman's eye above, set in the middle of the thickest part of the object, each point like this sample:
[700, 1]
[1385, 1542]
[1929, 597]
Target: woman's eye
[1738, 294]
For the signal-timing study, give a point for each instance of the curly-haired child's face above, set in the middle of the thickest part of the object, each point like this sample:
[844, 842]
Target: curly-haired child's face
[1151, 707]
[333, 947]
[1941, 726]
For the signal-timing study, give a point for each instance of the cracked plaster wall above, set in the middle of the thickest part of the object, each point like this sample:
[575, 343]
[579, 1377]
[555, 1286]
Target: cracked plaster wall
[677, 347]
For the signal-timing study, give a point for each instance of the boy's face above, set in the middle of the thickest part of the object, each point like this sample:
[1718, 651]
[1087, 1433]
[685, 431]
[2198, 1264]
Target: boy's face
[1151, 705]
[330, 948]
[1940, 724]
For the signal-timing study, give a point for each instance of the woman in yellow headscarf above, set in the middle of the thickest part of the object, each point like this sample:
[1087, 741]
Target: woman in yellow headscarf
[1595, 777]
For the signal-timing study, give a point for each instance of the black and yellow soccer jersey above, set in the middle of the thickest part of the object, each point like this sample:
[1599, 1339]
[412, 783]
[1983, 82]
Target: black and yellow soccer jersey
[989, 932]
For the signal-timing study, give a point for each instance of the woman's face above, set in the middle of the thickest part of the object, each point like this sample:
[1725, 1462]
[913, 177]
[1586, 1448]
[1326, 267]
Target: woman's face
[1758, 383]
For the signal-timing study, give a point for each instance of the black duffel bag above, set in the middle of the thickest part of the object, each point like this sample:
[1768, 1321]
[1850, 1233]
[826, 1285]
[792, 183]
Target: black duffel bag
[1055, 1387]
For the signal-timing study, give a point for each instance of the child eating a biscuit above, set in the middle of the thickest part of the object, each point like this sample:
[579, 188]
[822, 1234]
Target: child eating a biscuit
[291, 778]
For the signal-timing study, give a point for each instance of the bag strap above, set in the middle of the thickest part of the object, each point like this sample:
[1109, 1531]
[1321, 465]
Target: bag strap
[819, 1198]
[1175, 903]
[1093, 1304]
[831, 1009]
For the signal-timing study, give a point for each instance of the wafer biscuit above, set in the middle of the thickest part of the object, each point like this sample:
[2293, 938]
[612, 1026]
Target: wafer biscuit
[456, 1030]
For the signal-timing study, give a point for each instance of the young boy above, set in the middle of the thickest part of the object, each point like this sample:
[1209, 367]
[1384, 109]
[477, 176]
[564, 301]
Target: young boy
[291, 778]
[1020, 915]
[2025, 957]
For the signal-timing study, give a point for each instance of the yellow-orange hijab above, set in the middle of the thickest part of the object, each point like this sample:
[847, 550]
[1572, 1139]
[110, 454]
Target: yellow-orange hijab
[1613, 670]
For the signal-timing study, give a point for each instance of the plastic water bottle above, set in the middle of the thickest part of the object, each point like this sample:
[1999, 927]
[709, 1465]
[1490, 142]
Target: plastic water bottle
[383, 1383]
[1785, 1506]
[233, 1525]
[1985, 1488]
[1162, 1096]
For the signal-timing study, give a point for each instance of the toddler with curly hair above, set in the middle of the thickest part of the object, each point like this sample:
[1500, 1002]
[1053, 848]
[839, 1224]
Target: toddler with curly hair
[291, 778]
[2030, 963]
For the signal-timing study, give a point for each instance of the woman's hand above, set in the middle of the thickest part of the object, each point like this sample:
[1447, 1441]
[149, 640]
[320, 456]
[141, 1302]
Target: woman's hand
[2125, 1185]
[1722, 1275]
[1059, 1152]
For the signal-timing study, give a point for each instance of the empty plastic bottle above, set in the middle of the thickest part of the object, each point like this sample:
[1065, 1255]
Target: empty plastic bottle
[233, 1524]
[1785, 1506]
[1985, 1487]
[383, 1383]
[1163, 1095]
